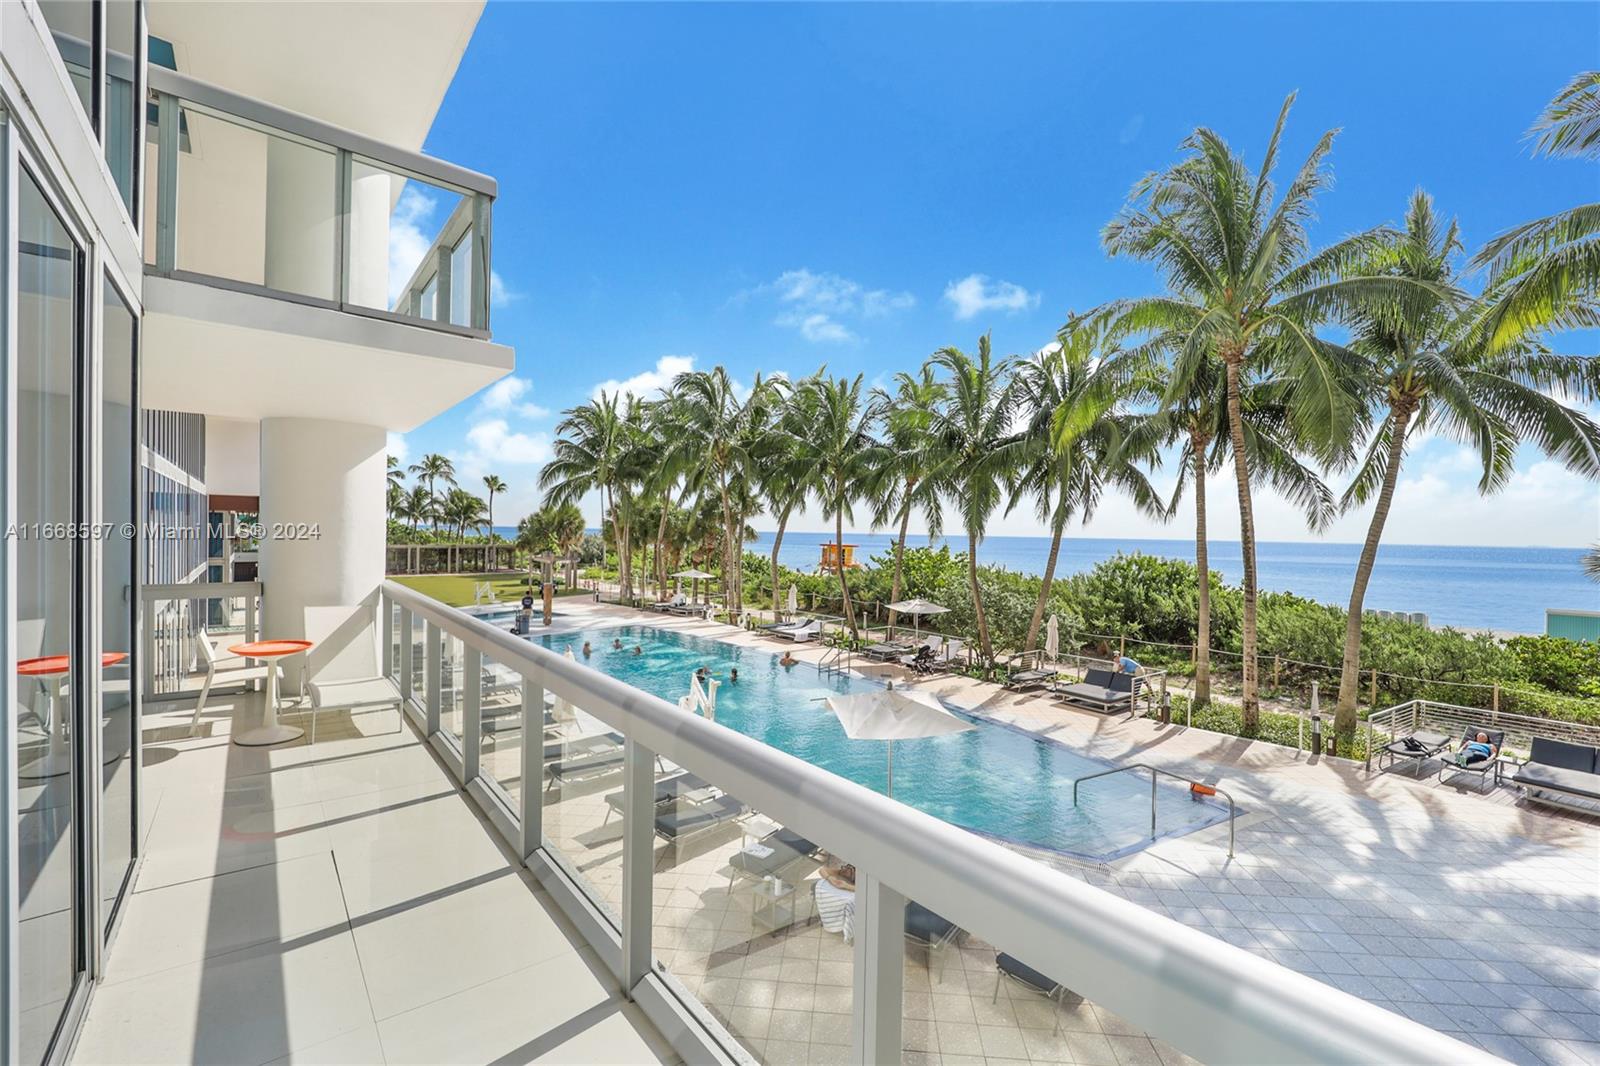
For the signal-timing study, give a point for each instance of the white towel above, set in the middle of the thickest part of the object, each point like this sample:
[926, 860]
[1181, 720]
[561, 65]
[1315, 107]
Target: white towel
[836, 908]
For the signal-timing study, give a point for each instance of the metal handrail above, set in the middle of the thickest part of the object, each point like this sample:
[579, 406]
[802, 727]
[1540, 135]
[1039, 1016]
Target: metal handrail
[1155, 771]
[1216, 1000]
[1520, 729]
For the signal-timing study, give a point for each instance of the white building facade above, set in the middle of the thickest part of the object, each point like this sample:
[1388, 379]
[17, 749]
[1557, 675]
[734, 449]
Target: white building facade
[228, 273]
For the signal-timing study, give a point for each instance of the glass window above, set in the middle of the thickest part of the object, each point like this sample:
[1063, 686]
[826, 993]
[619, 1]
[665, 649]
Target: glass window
[118, 452]
[254, 206]
[461, 281]
[122, 99]
[48, 339]
[71, 23]
[428, 299]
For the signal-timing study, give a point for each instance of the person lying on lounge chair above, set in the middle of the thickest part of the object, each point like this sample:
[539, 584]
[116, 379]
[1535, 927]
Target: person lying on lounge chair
[1475, 750]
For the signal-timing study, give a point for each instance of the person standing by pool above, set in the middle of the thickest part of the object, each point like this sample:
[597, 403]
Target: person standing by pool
[1127, 665]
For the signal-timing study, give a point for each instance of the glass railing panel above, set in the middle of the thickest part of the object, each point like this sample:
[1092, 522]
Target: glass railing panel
[500, 742]
[404, 239]
[452, 686]
[583, 759]
[393, 636]
[753, 920]
[967, 997]
[255, 206]
[419, 662]
[177, 619]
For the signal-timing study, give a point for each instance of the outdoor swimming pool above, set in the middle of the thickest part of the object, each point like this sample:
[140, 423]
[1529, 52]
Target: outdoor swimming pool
[996, 779]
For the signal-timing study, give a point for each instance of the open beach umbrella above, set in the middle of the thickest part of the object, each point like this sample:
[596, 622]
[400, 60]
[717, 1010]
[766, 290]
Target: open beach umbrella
[1052, 639]
[916, 609]
[894, 714]
[694, 576]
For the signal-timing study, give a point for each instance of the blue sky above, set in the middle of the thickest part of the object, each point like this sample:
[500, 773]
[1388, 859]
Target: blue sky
[775, 187]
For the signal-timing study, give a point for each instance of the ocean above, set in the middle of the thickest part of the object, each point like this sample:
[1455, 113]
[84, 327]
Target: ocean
[1503, 589]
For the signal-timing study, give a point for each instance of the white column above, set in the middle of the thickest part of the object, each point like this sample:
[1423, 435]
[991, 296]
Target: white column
[325, 482]
[300, 219]
[372, 195]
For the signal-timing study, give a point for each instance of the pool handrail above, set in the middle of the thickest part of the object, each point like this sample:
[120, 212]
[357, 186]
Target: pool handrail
[1211, 999]
[1155, 773]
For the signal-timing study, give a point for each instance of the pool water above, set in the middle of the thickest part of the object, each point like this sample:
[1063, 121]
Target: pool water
[996, 779]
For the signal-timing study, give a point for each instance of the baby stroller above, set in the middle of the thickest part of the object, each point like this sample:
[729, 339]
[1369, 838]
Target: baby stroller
[922, 662]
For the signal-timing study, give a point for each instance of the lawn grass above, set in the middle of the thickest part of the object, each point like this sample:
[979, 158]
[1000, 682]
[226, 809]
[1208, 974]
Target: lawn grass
[456, 589]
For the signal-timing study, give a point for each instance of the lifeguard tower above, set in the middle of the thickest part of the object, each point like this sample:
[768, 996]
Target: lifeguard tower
[831, 553]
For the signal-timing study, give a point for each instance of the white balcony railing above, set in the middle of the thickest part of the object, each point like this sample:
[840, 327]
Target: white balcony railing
[1210, 999]
[245, 195]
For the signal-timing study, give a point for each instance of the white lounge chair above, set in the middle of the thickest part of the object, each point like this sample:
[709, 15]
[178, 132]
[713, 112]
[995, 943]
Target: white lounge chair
[810, 630]
[342, 666]
[233, 667]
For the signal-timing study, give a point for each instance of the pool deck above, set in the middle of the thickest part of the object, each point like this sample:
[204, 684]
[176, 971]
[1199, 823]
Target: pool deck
[1478, 915]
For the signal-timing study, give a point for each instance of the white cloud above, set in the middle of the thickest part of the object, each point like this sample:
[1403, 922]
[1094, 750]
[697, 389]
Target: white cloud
[500, 293]
[397, 447]
[976, 293]
[494, 442]
[408, 236]
[816, 327]
[507, 396]
[816, 304]
[649, 382]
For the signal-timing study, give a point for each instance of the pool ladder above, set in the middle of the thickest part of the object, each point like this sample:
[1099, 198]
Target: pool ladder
[1155, 775]
[838, 661]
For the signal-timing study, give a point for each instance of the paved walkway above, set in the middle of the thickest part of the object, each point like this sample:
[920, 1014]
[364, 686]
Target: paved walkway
[1477, 915]
[341, 902]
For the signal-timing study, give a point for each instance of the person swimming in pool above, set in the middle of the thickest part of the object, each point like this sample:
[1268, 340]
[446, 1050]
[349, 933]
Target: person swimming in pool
[587, 651]
[733, 676]
[637, 650]
[702, 674]
[616, 645]
[788, 660]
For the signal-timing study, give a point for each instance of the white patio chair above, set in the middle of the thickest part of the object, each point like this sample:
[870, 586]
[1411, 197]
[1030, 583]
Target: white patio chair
[342, 667]
[232, 667]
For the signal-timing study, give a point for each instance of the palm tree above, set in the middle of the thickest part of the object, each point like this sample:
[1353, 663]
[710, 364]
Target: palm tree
[1545, 274]
[845, 454]
[788, 467]
[1440, 368]
[418, 506]
[723, 434]
[462, 509]
[396, 474]
[905, 482]
[1242, 292]
[493, 483]
[1196, 422]
[394, 499]
[1591, 562]
[434, 467]
[977, 452]
[595, 452]
[1075, 444]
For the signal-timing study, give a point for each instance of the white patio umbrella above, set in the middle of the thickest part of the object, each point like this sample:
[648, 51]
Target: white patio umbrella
[916, 609]
[1052, 639]
[794, 599]
[894, 714]
[694, 576]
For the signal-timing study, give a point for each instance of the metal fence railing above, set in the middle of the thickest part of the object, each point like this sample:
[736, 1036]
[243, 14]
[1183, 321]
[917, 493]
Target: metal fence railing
[1406, 718]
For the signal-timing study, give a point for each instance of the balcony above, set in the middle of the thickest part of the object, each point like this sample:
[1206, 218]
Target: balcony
[428, 882]
[322, 252]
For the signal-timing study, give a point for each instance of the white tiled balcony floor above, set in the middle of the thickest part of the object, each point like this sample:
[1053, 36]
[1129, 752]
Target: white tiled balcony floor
[340, 902]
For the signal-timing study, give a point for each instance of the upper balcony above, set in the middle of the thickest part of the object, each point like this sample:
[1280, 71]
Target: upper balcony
[308, 238]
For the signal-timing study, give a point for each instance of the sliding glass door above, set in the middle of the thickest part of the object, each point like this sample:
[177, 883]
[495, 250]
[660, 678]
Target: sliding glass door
[118, 513]
[50, 675]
